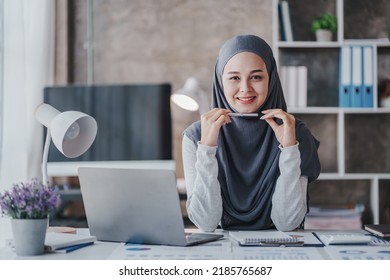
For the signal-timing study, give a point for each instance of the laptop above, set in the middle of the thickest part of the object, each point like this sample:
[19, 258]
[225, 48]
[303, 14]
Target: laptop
[136, 206]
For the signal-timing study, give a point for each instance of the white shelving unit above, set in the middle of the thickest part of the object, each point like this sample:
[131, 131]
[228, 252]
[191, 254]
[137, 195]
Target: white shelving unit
[341, 113]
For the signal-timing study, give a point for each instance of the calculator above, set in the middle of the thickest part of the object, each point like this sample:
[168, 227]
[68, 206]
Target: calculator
[344, 239]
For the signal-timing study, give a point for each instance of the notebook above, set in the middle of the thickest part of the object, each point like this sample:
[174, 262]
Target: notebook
[265, 238]
[59, 241]
[135, 205]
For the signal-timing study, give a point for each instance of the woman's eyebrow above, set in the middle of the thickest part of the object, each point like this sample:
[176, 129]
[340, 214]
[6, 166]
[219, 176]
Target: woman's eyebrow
[237, 72]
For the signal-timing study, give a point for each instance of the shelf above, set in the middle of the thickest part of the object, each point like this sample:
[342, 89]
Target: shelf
[336, 110]
[354, 150]
[307, 44]
[354, 176]
[333, 44]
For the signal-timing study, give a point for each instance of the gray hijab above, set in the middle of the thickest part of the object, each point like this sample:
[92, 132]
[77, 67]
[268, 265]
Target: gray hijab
[248, 153]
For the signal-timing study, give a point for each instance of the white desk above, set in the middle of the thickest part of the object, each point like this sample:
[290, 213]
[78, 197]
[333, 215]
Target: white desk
[223, 249]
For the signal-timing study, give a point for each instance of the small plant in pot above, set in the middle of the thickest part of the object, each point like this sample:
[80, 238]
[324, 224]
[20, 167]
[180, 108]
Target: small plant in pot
[324, 26]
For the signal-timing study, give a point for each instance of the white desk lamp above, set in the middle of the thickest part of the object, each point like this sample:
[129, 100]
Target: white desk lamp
[185, 97]
[72, 132]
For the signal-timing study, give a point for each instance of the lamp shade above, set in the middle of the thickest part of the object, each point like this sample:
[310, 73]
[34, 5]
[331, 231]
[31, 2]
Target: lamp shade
[184, 101]
[191, 97]
[72, 132]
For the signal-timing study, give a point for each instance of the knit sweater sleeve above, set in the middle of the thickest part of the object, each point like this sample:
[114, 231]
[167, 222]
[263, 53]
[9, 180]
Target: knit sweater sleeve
[289, 204]
[204, 200]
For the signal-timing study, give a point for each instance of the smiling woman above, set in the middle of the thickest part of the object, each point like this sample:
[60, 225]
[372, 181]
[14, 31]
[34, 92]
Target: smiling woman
[248, 173]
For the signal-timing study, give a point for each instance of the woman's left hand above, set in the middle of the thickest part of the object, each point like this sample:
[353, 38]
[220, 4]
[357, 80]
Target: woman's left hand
[285, 133]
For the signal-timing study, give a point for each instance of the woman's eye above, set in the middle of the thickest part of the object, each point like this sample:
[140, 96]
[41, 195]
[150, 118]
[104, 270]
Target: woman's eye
[234, 78]
[256, 77]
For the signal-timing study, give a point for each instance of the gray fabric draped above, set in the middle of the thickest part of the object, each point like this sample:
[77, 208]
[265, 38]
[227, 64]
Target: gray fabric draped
[248, 152]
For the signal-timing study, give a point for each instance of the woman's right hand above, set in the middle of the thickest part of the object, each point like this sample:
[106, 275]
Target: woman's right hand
[211, 122]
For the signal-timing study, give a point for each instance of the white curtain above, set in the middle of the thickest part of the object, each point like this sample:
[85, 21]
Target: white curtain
[27, 46]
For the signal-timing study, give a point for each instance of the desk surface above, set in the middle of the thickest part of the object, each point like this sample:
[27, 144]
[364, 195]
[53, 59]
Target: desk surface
[222, 249]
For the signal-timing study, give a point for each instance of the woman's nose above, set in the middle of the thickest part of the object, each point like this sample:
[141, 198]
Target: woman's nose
[245, 86]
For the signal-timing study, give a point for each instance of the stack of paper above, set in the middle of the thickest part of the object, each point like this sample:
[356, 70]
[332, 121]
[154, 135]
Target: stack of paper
[334, 218]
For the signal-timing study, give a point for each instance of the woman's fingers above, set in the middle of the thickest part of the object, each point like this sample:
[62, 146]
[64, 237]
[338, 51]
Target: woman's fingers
[285, 133]
[211, 123]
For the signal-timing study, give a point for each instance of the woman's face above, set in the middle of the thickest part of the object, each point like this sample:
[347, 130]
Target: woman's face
[245, 82]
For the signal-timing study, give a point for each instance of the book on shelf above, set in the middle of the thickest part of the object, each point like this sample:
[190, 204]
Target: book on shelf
[381, 230]
[285, 21]
[66, 242]
[335, 217]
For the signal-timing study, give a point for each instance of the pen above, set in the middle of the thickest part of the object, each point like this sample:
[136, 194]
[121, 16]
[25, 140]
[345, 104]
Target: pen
[253, 115]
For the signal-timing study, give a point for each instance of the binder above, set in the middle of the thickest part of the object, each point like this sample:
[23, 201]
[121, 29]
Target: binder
[357, 83]
[284, 83]
[345, 85]
[368, 77]
[284, 11]
[292, 76]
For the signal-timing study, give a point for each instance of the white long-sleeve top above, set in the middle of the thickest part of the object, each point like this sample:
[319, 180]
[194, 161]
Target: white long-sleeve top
[204, 200]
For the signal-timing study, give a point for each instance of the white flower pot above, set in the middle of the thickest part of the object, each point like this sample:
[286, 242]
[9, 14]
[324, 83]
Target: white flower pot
[323, 35]
[29, 236]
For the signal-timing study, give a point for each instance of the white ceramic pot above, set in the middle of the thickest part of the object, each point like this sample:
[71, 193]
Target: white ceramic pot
[323, 35]
[29, 236]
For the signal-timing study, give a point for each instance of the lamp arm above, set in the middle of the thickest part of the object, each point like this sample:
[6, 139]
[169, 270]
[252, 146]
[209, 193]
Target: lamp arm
[45, 157]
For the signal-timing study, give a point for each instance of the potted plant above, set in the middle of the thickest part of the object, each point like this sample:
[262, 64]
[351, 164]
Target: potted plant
[29, 205]
[324, 26]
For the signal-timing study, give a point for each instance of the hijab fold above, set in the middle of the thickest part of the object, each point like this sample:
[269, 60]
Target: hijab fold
[248, 152]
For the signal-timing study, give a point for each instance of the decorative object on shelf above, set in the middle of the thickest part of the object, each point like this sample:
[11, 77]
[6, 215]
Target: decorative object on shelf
[29, 205]
[324, 26]
[384, 92]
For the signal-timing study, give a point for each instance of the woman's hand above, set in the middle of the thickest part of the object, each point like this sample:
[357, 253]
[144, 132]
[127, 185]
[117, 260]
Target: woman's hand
[285, 133]
[211, 122]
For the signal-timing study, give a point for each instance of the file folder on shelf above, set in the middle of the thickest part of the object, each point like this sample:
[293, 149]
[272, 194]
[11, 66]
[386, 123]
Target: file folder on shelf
[292, 86]
[284, 82]
[368, 77]
[357, 84]
[345, 84]
[302, 86]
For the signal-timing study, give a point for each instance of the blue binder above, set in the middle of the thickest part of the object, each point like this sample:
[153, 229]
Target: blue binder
[357, 74]
[345, 82]
[368, 77]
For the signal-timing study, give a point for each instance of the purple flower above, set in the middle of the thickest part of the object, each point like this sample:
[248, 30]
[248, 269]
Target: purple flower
[30, 200]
